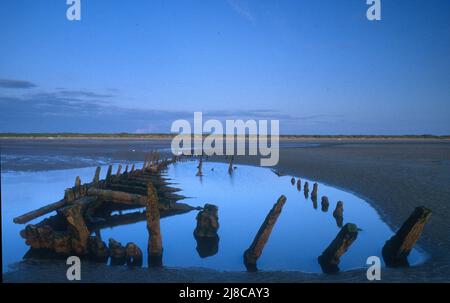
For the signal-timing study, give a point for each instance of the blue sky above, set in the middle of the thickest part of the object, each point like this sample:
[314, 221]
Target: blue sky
[319, 66]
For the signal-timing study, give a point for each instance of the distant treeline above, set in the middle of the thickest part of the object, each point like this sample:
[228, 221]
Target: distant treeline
[169, 136]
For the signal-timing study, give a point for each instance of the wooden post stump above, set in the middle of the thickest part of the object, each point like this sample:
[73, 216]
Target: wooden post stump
[330, 258]
[255, 250]
[155, 248]
[97, 175]
[77, 227]
[133, 255]
[109, 172]
[396, 250]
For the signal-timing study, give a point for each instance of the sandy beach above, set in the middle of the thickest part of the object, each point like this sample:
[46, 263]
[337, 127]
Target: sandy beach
[394, 176]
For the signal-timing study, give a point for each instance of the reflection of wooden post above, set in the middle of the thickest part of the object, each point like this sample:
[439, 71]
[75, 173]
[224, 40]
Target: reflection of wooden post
[314, 191]
[255, 250]
[155, 242]
[325, 204]
[338, 213]
[306, 189]
[200, 165]
[396, 249]
[330, 258]
[230, 166]
[97, 175]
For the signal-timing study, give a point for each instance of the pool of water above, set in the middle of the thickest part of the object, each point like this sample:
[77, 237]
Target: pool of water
[244, 198]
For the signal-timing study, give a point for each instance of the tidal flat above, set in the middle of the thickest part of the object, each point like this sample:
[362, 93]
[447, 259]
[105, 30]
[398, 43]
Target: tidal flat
[393, 176]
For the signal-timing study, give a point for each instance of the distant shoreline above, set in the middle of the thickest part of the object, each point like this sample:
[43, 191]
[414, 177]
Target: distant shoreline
[170, 136]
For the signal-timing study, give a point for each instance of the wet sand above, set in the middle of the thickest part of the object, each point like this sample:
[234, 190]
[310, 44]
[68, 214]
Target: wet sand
[394, 176]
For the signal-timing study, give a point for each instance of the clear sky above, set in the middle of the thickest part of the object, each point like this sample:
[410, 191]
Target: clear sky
[319, 66]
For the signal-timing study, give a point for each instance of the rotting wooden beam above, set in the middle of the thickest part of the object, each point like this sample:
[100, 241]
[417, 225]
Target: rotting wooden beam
[25, 218]
[117, 196]
[39, 212]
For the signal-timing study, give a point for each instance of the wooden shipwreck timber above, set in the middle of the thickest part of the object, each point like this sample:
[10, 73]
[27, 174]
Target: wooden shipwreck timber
[88, 208]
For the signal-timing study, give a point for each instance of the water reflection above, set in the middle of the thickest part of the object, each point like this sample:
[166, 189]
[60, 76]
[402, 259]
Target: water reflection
[314, 201]
[207, 246]
[205, 233]
[244, 197]
[325, 204]
[338, 213]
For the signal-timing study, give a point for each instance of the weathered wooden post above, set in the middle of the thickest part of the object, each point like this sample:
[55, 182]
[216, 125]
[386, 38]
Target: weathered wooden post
[396, 250]
[338, 213]
[155, 248]
[133, 255]
[69, 195]
[330, 258]
[325, 204]
[255, 250]
[117, 251]
[144, 166]
[299, 184]
[77, 227]
[132, 168]
[119, 170]
[126, 169]
[97, 174]
[109, 172]
[77, 182]
[314, 191]
[98, 250]
[293, 181]
[205, 232]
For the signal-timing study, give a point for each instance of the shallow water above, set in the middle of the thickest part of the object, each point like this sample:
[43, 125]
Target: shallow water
[244, 198]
